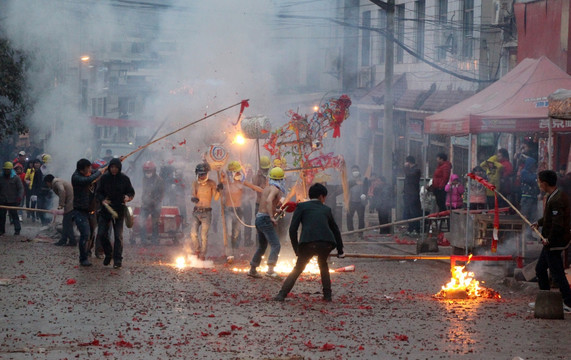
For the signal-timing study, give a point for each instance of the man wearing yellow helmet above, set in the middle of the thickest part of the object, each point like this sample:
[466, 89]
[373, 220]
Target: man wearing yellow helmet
[265, 224]
[11, 192]
[234, 183]
[261, 178]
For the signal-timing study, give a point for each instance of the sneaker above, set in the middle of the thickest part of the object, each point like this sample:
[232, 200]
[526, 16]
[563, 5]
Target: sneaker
[278, 298]
[253, 273]
[272, 275]
[327, 298]
[107, 260]
[60, 243]
[20, 218]
[85, 263]
[17, 232]
[117, 266]
[531, 305]
[229, 259]
[566, 308]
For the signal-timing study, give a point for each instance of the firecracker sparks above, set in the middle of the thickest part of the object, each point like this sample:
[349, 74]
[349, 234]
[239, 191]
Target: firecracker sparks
[284, 267]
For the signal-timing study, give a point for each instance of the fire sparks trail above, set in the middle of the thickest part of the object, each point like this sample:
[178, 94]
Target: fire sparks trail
[284, 267]
[463, 285]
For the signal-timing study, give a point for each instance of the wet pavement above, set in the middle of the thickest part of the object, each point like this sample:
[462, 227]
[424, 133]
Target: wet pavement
[53, 309]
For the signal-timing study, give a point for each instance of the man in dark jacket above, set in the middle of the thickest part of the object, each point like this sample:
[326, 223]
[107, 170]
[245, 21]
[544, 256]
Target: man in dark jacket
[113, 191]
[319, 235]
[358, 189]
[11, 192]
[555, 223]
[411, 194]
[82, 183]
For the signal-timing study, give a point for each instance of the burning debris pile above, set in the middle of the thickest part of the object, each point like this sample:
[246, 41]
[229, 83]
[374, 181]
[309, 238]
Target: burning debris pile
[464, 286]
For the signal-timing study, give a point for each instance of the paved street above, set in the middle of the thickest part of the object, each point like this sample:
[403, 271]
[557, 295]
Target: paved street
[53, 309]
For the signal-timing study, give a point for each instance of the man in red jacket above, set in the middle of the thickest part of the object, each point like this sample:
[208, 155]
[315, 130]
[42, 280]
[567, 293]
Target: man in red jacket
[440, 179]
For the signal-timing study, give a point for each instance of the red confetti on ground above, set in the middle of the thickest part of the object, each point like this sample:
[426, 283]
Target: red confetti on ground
[182, 142]
[224, 333]
[46, 335]
[216, 294]
[93, 343]
[309, 344]
[234, 327]
[401, 337]
[22, 276]
[361, 348]
[327, 346]
[124, 343]
[71, 281]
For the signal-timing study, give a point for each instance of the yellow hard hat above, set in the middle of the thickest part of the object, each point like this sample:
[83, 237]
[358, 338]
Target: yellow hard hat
[47, 158]
[277, 173]
[234, 166]
[265, 162]
[8, 166]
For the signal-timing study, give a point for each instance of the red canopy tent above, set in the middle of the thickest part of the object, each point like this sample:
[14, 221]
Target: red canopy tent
[515, 103]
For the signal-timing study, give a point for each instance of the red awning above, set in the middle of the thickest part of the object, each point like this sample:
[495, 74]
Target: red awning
[101, 121]
[515, 103]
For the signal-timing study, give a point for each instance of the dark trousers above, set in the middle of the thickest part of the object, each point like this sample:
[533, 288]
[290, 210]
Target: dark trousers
[103, 230]
[305, 252]
[92, 218]
[412, 209]
[44, 202]
[67, 229]
[155, 213]
[13, 216]
[82, 222]
[359, 208]
[551, 259]
[384, 218]
[440, 196]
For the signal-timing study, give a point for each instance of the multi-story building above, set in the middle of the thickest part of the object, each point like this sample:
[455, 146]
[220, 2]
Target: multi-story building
[445, 51]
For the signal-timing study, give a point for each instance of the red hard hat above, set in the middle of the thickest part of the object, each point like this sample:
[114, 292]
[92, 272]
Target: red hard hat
[149, 166]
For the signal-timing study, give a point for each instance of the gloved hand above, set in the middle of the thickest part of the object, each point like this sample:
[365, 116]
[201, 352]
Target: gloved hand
[220, 187]
[340, 254]
[363, 197]
[194, 199]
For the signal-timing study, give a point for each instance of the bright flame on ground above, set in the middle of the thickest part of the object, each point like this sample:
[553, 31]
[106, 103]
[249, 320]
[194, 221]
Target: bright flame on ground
[192, 261]
[462, 285]
[286, 266]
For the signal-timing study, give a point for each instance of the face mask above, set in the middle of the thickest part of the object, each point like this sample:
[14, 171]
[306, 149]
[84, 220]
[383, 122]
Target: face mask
[238, 177]
[356, 173]
[148, 175]
[201, 181]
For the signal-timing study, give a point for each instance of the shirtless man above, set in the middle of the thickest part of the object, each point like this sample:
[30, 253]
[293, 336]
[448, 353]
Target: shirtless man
[265, 224]
[203, 191]
[232, 205]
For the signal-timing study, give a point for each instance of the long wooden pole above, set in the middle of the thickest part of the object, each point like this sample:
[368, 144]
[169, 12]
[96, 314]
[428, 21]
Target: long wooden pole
[522, 216]
[28, 209]
[180, 129]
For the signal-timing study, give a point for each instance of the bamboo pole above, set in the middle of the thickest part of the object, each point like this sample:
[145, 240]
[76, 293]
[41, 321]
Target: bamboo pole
[544, 240]
[400, 222]
[52, 211]
[396, 257]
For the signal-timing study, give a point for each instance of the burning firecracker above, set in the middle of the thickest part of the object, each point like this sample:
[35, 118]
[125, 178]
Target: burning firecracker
[463, 285]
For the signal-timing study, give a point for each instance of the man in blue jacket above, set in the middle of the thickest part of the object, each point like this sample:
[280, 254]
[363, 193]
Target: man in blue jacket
[319, 235]
[83, 186]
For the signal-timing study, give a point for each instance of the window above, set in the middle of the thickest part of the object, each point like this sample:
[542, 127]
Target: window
[419, 8]
[468, 29]
[399, 27]
[366, 39]
[442, 21]
[382, 39]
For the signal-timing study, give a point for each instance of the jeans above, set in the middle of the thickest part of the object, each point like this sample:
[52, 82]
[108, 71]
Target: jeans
[233, 228]
[266, 234]
[551, 259]
[13, 215]
[247, 217]
[359, 208]
[529, 210]
[82, 222]
[103, 231]
[155, 213]
[306, 251]
[203, 219]
[67, 229]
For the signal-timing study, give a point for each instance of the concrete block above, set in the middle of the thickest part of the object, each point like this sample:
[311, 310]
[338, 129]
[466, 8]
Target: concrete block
[549, 305]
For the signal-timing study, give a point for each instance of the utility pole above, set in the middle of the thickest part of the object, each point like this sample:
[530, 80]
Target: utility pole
[388, 132]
